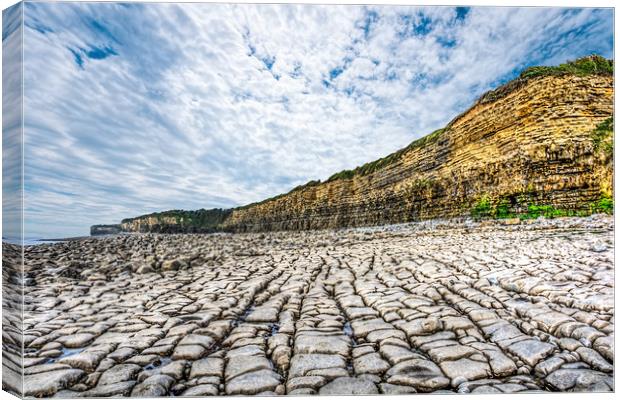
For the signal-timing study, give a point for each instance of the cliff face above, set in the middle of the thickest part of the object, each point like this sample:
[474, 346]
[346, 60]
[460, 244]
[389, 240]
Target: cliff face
[152, 224]
[96, 230]
[177, 221]
[531, 145]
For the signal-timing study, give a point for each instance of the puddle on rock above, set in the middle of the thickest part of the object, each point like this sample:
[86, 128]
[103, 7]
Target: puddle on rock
[158, 363]
[274, 328]
[243, 317]
[64, 354]
[348, 330]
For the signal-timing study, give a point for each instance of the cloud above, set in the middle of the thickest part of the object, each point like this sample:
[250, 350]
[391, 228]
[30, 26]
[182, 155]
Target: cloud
[135, 108]
[11, 123]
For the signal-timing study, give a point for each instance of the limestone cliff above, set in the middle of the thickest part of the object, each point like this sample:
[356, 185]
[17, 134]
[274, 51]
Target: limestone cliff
[113, 229]
[529, 143]
[533, 146]
[177, 221]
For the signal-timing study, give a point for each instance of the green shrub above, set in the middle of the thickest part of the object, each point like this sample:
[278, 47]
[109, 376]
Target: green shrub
[482, 208]
[548, 211]
[305, 185]
[535, 211]
[590, 65]
[603, 137]
[346, 174]
[604, 205]
[502, 210]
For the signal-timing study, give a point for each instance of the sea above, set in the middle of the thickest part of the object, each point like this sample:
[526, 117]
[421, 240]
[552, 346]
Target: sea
[40, 241]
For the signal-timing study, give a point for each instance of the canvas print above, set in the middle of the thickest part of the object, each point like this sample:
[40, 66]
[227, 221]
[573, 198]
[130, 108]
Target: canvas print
[288, 199]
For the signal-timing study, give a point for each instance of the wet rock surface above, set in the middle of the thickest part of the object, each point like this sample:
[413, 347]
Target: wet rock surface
[468, 308]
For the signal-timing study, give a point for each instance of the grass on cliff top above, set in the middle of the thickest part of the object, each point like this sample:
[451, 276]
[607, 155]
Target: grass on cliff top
[295, 189]
[585, 66]
[590, 65]
[381, 163]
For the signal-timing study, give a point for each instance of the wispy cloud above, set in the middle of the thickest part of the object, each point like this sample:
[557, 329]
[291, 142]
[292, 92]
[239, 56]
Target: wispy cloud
[134, 108]
[11, 122]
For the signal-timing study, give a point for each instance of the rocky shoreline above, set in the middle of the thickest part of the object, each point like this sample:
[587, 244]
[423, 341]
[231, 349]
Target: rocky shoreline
[440, 306]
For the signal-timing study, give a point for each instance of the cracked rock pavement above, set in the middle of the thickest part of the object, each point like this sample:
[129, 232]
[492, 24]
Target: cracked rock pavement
[454, 307]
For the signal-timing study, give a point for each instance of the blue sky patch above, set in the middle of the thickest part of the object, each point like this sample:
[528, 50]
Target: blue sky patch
[424, 26]
[11, 19]
[296, 73]
[370, 19]
[105, 32]
[77, 57]
[446, 42]
[268, 61]
[417, 24]
[99, 53]
[461, 13]
[334, 73]
[39, 27]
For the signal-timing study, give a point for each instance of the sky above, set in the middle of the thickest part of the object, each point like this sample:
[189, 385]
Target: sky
[12, 29]
[136, 108]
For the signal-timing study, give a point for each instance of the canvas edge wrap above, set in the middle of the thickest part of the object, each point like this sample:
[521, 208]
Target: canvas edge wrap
[12, 200]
